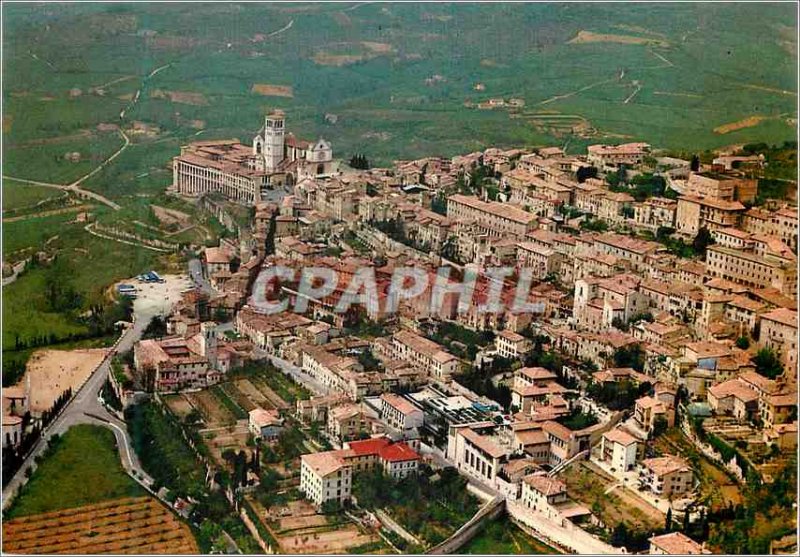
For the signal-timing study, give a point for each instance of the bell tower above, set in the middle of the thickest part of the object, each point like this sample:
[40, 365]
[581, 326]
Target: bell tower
[273, 139]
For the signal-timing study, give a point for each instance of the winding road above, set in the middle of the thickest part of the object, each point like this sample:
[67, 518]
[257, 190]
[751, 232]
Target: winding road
[86, 408]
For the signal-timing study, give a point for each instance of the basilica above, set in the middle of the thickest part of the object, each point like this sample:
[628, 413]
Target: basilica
[242, 173]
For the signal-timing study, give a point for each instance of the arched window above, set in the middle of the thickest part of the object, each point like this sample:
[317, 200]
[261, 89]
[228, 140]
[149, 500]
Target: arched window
[320, 169]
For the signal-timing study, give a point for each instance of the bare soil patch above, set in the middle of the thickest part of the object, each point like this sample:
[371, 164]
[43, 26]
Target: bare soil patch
[51, 372]
[748, 122]
[168, 217]
[269, 90]
[214, 413]
[589, 37]
[181, 97]
[178, 404]
[256, 396]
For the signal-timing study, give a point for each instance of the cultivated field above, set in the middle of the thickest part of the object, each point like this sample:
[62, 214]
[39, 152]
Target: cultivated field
[123, 526]
[298, 529]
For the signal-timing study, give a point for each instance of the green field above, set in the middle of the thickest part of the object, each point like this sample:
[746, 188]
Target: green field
[17, 195]
[396, 76]
[503, 537]
[82, 468]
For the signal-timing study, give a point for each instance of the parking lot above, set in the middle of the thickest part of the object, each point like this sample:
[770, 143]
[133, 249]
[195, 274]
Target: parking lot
[158, 297]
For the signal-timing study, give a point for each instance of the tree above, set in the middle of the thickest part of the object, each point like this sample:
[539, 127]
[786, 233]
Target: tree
[668, 522]
[659, 426]
[586, 172]
[695, 164]
[743, 343]
[359, 161]
[629, 356]
[439, 204]
[702, 241]
[768, 363]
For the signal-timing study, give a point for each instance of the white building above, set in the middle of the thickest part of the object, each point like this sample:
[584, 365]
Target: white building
[619, 449]
[543, 495]
[325, 477]
[265, 424]
[424, 354]
[400, 413]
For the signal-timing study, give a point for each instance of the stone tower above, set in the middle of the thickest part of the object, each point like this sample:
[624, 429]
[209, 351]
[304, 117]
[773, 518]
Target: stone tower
[208, 342]
[273, 139]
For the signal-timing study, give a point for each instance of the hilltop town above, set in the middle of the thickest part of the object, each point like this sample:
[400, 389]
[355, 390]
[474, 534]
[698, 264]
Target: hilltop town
[649, 403]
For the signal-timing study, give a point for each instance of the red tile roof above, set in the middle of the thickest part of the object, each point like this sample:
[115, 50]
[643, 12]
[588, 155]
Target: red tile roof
[398, 452]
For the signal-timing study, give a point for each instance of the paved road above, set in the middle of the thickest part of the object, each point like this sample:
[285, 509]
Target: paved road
[86, 408]
[196, 273]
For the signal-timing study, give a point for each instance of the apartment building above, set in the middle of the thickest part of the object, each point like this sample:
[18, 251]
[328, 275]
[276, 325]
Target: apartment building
[733, 398]
[511, 345]
[328, 475]
[649, 410]
[543, 494]
[655, 212]
[613, 205]
[475, 453]
[542, 260]
[751, 270]
[496, 218]
[346, 422]
[636, 252]
[620, 450]
[424, 354]
[325, 477]
[666, 476]
[400, 413]
[778, 331]
[721, 186]
[694, 213]
[608, 157]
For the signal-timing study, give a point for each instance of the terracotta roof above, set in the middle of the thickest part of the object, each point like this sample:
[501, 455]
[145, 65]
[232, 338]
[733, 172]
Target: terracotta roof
[217, 255]
[398, 452]
[735, 388]
[262, 418]
[545, 485]
[678, 543]
[664, 465]
[536, 373]
[783, 316]
[368, 446]
[482, 442]
[401, 404]
[324, 463]
[620, 436]
[531, 437]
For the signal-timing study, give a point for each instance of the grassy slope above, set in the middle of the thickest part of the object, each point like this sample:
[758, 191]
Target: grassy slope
[17, 195]
[94, 263]
[502, 537]
[83, 469]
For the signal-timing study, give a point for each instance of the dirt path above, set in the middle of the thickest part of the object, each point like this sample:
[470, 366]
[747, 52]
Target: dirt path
[573, 93]
[50, 213]
[88, 228]
[281, 30]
